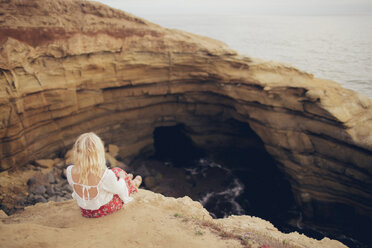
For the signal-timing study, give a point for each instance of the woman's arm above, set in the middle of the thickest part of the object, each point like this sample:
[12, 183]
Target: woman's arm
[68, 175]
[119, 187]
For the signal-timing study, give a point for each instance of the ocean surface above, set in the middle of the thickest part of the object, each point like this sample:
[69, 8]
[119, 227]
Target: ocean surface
[331, 47]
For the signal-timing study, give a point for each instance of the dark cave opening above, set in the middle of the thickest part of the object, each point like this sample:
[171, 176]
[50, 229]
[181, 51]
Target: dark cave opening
[233, 175]
[172, 143]
[234, 169]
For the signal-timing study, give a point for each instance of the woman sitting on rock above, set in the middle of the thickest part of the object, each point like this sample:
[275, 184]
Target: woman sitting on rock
[98, 190]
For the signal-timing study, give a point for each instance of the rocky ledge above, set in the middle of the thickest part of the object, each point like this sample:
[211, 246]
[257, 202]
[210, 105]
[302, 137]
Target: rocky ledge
[172, 223]
[68, 67]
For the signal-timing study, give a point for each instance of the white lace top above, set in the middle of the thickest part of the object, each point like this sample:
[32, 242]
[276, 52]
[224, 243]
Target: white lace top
[106, 188]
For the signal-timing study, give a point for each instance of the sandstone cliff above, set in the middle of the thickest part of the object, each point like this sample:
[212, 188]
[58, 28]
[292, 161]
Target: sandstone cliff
[68, 67]
[172, 223]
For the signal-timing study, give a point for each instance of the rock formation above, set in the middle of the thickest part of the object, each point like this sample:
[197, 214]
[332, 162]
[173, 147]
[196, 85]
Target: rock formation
[68, 67]
[172, 223]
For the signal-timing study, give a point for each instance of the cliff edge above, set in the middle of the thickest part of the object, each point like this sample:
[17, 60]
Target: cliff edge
[151, 220]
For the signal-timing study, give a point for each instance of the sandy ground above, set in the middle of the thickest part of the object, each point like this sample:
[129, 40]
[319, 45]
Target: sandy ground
[146, 222]
[151, 220]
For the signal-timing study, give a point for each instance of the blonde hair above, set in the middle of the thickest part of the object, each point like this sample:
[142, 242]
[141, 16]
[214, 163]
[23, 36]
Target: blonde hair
[89, 156]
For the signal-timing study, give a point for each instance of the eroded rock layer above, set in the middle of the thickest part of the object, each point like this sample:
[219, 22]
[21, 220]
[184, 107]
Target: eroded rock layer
[68, 67]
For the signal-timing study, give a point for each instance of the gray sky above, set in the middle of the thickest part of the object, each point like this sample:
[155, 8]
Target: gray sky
[144, 8]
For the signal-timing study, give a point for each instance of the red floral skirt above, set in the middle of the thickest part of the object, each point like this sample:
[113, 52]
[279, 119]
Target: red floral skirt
[112, 206]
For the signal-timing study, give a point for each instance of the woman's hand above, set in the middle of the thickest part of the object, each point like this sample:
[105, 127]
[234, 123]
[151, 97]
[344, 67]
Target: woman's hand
[122, 174]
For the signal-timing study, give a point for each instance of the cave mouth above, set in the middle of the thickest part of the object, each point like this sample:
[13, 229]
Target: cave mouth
[228, 178]
[234, 175]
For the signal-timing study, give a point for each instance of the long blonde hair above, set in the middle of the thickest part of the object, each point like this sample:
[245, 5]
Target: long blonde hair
[88, 155]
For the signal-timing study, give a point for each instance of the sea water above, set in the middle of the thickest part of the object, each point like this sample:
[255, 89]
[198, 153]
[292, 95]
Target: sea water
[338, 48]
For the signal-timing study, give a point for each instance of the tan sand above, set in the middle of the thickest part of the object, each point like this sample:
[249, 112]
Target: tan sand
[141, 223]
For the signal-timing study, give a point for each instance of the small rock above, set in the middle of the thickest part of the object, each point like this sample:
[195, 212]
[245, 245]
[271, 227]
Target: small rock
[29, 166]
[38, 189]
[67, 188]
[60, 193]
[113, 150]
[53, 198]
[31, 181]
[51, 177]
[50, 190]
[45, 163]
[39, 198]
[65, 192]
[59, 199]
[57, 188]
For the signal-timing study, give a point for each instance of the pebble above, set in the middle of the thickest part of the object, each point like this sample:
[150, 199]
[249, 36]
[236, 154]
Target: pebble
[38, 189]
[68, 189]
[50, 190]
[31, 181]
[39, 198]
[53, 198]
[51, 177]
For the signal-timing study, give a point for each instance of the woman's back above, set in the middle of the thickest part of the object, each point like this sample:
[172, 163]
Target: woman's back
[85, 191]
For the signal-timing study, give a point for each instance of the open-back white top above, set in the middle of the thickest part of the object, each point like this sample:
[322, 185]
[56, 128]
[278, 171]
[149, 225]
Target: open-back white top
[106, 188]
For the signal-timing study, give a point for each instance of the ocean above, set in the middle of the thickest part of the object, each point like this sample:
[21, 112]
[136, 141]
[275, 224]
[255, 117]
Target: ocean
[338, 48]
